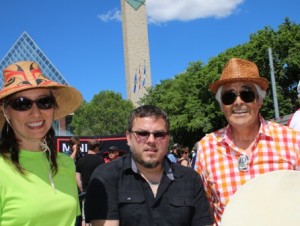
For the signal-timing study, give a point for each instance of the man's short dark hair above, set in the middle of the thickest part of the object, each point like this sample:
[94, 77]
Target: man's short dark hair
[93, 144]
[148, 111]
[74, 140]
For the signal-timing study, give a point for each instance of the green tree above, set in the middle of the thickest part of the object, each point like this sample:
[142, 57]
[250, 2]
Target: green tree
[179, 97]
[285, 44]
[106, 114]
[191, 106]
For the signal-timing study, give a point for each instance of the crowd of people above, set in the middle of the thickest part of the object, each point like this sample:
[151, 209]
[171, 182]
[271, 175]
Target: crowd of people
[182, 155]
[149, 185]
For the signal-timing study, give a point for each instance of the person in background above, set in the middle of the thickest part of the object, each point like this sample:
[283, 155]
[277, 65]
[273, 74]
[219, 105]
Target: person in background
[112, 154]
[143, 187]
[75, 153]
[183, 156]
[85, 166]
[38, 185]
[194, 154]
[249, 145]
[294, 121]
[74, 150]
[173, 155]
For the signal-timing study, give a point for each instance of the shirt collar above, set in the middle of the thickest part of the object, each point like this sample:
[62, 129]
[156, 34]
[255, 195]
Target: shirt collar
[225, 133]
[265, 127]
[130, 164]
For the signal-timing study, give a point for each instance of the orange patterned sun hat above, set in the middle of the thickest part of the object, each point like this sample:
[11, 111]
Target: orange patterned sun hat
[239, 70]
[25, 75]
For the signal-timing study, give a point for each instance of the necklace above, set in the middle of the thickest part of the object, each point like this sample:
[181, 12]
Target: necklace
[243, 163]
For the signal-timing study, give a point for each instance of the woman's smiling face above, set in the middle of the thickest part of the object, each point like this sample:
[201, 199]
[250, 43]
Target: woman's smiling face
[31, 124]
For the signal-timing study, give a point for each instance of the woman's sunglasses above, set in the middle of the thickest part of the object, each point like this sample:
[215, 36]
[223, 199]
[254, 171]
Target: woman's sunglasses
[229, 98]
[24, 104]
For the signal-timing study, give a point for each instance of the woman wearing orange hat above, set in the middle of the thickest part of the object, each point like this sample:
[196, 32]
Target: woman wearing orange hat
[37, 185]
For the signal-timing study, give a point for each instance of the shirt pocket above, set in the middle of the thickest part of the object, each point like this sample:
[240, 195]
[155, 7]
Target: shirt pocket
[182, 207]
[131, 204]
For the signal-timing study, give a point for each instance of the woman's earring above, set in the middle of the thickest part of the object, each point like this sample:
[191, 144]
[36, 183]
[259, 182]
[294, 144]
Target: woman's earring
[8, 122]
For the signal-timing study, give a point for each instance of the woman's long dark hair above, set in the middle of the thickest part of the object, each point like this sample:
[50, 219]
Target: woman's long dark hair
[9, 148]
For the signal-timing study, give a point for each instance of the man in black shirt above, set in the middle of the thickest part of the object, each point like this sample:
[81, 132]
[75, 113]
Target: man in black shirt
[86, 165]
[144, 188]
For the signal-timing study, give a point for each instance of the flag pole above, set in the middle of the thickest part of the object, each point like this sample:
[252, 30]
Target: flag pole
[274, 92]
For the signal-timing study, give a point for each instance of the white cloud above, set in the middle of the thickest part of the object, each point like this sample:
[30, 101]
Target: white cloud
[114, 15]
[160, 11]
[186, 10]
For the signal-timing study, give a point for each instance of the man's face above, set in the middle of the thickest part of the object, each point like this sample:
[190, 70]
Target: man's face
[76, 147]
[243, 112]
[148, 151]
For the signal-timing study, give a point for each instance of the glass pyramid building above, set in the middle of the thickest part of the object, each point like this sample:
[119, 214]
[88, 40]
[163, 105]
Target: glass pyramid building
[26, 49]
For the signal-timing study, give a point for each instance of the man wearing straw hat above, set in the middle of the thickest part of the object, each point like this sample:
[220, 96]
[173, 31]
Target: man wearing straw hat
[249, 145]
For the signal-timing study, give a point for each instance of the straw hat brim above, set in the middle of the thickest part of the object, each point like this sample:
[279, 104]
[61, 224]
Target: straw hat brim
[68, 99]
[262, 82]
[269, 199]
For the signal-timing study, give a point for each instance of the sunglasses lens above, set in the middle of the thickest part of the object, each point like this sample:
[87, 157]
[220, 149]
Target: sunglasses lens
[46, 103]
[146, 134]
[24, 104]
[247, 95]
[228, 98]
[142, 133]
[160, 134]
[21, 104]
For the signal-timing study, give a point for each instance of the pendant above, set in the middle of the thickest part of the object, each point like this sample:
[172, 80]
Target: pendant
[243, 163]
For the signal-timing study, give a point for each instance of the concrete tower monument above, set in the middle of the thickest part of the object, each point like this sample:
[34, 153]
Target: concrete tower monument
[136, 48]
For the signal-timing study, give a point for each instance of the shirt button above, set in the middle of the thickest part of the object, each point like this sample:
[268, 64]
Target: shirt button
[128, 198]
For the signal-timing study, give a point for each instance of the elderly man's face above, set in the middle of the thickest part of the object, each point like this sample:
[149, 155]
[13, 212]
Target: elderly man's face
[240, 104]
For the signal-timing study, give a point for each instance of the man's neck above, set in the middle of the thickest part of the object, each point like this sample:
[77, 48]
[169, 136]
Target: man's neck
[151, 174]
[244, 137]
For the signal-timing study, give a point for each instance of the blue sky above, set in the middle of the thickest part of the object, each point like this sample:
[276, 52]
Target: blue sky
[83, 38]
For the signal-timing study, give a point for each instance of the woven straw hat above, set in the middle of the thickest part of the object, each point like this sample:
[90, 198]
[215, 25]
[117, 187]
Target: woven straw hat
[269, 199]
[238, 70]
[27, 75]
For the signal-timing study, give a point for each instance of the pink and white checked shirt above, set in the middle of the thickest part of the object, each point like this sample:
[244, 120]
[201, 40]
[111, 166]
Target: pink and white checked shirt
[276, 147]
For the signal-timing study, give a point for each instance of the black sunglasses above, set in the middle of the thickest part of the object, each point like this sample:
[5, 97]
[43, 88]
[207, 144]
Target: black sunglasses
[24, 104]
[229, 97]
[146, 134]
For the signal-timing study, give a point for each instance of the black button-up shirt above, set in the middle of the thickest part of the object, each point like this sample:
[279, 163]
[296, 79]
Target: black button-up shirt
[118, 192]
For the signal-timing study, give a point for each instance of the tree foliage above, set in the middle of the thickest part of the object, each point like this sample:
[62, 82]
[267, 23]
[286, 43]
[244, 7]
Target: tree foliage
[106, 114]
[192, 108]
